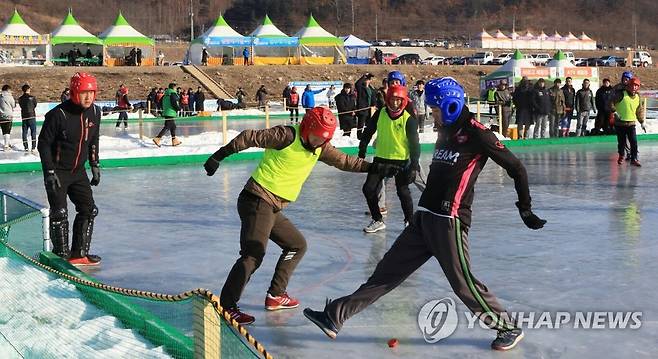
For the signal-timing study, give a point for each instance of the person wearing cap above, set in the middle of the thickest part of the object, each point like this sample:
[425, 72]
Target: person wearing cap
[290, 154]
[365, 100]
[503, 98]
[627, 109]
[557, 108]
[170, 107]
[440, 227]
[68, 139]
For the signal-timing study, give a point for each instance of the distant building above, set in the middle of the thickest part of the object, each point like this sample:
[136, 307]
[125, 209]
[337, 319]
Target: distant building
[529, 41]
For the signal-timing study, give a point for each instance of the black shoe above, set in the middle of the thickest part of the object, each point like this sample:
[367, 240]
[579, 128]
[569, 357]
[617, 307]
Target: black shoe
[321, 319]
[507, 339]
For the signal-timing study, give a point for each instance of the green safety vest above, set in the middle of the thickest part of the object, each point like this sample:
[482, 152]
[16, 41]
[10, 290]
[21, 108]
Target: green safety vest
[392, 141]
[491, 95]
[627, 107]
[283, 172]
[167, 109]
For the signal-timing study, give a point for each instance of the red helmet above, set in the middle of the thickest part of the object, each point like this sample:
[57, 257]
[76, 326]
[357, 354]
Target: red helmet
[82, 81]
[634, 82]
[320, 122]
[400, 92]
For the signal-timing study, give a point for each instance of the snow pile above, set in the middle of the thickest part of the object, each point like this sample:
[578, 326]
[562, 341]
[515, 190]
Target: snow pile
[44, 317]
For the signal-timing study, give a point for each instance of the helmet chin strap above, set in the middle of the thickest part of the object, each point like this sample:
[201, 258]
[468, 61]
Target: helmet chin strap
[308, 146]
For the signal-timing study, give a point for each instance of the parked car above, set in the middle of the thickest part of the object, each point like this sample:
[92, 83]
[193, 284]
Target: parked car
[481, 58]
[642, 58]
[391, 43]
[434, 60]
[592, 61]
[569, 55]
[608, 60]
[405, 42]
[388, 57]
[457, 60]
[407, 59]
[429, 43]
[541, 59]
[380, 43]
[580, 61]
[502, 58]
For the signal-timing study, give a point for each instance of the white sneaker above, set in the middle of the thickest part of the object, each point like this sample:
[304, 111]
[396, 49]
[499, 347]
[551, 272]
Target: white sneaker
[7, 148]
[375, 226]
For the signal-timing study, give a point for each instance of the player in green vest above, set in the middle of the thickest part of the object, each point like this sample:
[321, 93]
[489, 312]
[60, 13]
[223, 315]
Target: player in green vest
[628, 107]
[397, 144]
[290, 154]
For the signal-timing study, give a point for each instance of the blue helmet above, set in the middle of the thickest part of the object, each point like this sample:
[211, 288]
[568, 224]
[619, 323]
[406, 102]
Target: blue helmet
[448, 95]
[627, 75]
[396, 75]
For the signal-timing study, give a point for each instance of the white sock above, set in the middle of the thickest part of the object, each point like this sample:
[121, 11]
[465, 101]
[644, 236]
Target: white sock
[7, 137]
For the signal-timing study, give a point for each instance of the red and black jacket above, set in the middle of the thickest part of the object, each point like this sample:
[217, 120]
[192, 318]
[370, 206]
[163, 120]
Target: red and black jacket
[460, 153]
[69, 137]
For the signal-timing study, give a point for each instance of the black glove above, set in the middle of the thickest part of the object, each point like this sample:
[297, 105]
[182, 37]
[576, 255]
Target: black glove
[412, 172]
[530, 219]
[95, 175]
[384, 169]
[362, 154]
[52, 181]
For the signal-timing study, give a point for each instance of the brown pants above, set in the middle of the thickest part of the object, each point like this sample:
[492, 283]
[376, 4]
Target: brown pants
[261, 222]
[427, 236]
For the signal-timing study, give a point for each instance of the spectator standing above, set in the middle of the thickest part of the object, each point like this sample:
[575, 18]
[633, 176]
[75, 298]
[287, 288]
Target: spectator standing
[286, 94]
[346, 104]
[261, 96]
[199, 99]
[293, 104]
[124, 106]
[138, 56]
[151, 99]
[569, 101]
[161, 58]
[308, 98]
[557, 109]
[541, 107]
[185, 103]
[491, 99]
[584, 104]
[7, 105]
[28, 105]
[504, 99]
[380, 100]
[365, 100]
[204, 57]
[245, 56]
[240, 95]
[420, 107]
[331, 94]
[522, 99]
[602, 102]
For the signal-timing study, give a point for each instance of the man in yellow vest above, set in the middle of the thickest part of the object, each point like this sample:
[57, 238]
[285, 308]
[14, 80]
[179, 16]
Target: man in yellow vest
[397, 144]
[628, 108]
[291, 152]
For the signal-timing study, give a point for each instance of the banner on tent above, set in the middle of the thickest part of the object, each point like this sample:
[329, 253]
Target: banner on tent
[320, 97]
[584, 72]
[228, 41]
[532, 72]
[276, 41]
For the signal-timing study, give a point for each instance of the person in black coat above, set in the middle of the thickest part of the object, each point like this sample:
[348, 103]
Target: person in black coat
[602, 100]
[522, 98]
[199, 98]
[365, 98]
[28, 104]
[541, 107]
[346, 104]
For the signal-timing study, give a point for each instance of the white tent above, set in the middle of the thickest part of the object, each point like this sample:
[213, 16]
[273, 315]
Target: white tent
[559, 60]
[318, 46]
[19, 44]
[121, 38]
[71, 36]
[223, 43]
[356, 50]
[272, 47]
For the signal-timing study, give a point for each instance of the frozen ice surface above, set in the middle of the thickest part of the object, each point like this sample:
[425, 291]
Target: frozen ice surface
[170, 229]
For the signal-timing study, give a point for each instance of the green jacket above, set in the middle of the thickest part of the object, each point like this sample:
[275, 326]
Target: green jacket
[170, 103]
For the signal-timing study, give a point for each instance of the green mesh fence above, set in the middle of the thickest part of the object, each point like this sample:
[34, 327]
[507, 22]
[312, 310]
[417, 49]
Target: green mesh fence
[52, 310]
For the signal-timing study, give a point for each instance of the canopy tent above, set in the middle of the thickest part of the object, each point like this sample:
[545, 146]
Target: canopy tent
[223, 43]
[559, 60]
[563, 68]
[19, 44]
[272, 47]
[356, 50]
[69, 38]
[318, 46]
[120, 39]
[512, 71]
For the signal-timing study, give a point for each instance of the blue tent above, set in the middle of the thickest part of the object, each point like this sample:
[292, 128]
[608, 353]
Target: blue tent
[357, 50]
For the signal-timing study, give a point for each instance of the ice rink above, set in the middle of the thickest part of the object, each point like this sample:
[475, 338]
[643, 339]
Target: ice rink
[170, 229]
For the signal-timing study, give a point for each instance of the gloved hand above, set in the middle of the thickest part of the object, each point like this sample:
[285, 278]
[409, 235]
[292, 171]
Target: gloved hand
[52, 181]
[530, 219]
[412, 171]
[384, 169]
[362, 154]
[212, 163]
[95, 175]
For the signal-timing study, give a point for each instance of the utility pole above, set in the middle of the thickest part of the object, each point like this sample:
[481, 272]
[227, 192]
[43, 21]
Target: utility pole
[376, 33]
[191, 22]
[352, 16]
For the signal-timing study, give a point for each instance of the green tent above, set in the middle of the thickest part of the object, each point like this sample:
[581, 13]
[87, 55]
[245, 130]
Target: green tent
[121, 33]
[70, 32]
[318, 46]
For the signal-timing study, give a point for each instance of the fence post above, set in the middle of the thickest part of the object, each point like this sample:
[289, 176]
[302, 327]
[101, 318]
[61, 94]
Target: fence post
[45, 223]
[644, 110]
[207, 330]
[285, 104]
[500, 120]
[224, 127]
[267, 115]
[478, 111]
[148, 106]
[141, 124]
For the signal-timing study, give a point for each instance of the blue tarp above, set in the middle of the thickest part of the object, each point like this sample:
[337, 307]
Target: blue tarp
[276, 41]
[228, 41]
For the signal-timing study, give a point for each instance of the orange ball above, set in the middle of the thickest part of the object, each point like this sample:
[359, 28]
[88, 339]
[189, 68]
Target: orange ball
[392, 343]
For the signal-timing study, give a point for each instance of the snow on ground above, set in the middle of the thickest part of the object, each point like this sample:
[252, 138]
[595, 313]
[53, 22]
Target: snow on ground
[44, 317]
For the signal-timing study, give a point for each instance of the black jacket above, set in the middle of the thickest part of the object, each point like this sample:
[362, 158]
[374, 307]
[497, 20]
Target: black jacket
[541, 101]
[345, 103]
[460, 153]
[522, 98]
[603, 97]
[199, 98]
[569, 96]
[69, 137]
[28, 103]
[365, 96]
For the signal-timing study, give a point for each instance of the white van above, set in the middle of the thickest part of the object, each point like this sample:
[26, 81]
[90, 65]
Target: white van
[570, 57]
[642, 58]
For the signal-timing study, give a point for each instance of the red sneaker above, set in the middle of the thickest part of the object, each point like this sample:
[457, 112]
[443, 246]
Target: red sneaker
[90, 260]
[636, 163]
[241, 318]
[620, 160]
[282, 301]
